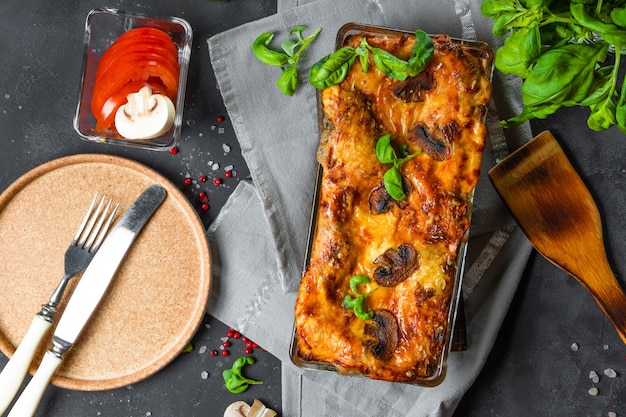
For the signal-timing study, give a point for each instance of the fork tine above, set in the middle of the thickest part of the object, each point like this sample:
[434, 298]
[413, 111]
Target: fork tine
[92, 221]
[105, 229]
[81, 228]
[93, 233]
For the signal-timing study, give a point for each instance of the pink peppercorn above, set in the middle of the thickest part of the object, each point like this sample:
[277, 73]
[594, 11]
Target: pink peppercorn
[187, 181]
[173, 150]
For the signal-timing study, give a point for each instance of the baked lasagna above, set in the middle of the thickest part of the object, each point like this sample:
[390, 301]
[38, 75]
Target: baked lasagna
[377, 293]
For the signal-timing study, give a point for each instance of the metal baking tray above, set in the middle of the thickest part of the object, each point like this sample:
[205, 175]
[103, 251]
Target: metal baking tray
[480, 49]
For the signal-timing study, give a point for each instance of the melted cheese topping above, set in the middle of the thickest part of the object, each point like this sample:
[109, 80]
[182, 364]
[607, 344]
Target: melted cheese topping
[445, 104]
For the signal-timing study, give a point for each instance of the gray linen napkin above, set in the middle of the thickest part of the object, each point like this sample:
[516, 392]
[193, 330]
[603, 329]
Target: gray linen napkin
[259, 237]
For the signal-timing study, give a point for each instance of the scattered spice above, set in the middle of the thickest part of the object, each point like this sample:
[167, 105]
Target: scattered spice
[202, 178]
[205, 207]
[187, 181]
[228, 174]
[220, 119]
[217, 182]
[173, 150]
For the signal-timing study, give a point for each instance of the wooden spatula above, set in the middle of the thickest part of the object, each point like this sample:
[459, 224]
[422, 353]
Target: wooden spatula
[558, 215]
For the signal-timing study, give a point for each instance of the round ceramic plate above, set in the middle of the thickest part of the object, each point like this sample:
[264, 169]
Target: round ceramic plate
[157, 298]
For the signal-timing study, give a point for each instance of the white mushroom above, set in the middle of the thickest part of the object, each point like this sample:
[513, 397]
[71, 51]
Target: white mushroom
[145, 116]
[241, 409]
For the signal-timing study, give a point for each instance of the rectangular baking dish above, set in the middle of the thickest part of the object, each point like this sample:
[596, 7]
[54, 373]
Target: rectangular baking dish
[474, 47]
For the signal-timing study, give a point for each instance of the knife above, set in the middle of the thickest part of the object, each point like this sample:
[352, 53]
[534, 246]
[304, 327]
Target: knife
[87, 295]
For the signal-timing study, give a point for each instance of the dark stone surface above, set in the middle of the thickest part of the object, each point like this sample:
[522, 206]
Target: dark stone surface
[532, 370]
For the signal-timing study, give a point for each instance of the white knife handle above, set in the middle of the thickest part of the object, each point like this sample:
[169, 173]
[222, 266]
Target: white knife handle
[27, 403]
[14, 371]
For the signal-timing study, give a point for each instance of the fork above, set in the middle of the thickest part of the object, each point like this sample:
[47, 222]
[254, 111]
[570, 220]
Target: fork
[86, 243]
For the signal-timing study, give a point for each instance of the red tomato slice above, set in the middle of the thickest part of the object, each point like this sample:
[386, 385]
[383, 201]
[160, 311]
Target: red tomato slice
[132, 57]
[138, 57]
[146, 43]
[142, 70]
[106, 117]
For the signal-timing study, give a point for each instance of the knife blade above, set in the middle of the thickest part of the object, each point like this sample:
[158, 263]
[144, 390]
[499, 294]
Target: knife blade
[87, 295]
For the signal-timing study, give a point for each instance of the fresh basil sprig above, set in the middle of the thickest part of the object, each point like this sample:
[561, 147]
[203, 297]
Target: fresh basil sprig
[560, 49]
[287, 59]
[392, 179]
[356, 303]
[233, 378]
[333, 68]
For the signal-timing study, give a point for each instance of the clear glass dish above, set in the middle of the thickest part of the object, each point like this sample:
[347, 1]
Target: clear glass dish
[484, 52]
[102, 27]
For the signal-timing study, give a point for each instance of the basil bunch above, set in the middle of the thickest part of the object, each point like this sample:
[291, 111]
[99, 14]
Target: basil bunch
[287, 59]
[233, 378]
[333, 68]
[392, 179]
[560, 49]
[356, 303]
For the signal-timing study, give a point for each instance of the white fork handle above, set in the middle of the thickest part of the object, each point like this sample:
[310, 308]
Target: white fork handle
[27, 403]
[15, 370]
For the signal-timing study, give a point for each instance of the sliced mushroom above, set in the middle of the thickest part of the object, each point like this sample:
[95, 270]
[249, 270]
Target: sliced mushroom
[414, 89]
[242, 409]
[434, 146]
[384, 331]
[381, 202]
[396, 265]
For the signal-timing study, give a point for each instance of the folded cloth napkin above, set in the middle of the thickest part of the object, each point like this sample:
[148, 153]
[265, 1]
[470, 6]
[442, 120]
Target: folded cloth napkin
[259, 237]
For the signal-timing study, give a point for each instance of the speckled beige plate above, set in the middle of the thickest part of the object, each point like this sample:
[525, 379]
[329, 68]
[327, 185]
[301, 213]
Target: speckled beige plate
[157, 298]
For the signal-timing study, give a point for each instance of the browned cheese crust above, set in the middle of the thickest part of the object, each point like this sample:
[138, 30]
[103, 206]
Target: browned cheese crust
[440, 111]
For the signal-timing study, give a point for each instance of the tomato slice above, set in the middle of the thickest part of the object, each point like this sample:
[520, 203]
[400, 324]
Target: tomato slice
[140, 70]
[106, 118]
[144, 43]
[132, 56]
[138, 57]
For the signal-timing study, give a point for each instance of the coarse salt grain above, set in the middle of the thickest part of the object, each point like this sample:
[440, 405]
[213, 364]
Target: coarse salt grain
[202, 349]
[612, 414]
[593, 375]
[215, 166]
[610, 373]
[228, 168]
[606, 347]
[226, 148]
[574, 347]
[204, 374]
[593, 391]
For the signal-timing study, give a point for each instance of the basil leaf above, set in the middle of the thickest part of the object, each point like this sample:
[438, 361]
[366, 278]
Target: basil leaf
[392, 180]
[384, 150]
[288, 80]
[265, 54]
[421, 54]
[332, 69]
[289, 46]
[356, 280]
[562, 75]
[389, 64]
[519, 52]
[603, 115]
[531, 112]
[620, 111]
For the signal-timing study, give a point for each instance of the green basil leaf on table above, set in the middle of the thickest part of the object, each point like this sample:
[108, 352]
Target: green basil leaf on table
[520, 50]
[267, 55]
[563, 75]
[288, 81]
